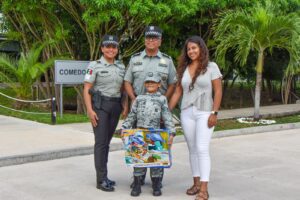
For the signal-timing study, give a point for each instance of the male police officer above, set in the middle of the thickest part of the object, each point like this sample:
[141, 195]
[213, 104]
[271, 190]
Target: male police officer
[151, 60]
[102, 96]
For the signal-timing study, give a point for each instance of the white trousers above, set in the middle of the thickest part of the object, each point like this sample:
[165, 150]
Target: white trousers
[198, 136]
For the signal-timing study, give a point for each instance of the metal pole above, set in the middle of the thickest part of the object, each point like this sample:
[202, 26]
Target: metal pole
[53, 110]
[61, 100]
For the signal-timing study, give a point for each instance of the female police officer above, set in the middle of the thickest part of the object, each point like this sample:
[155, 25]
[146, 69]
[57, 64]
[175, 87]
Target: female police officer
[102, 96]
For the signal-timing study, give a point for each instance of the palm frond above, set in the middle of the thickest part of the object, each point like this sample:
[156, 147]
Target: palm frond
[7, 64]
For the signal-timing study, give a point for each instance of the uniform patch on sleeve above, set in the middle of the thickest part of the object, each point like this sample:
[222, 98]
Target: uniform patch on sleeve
[87, 76]
[89, 71]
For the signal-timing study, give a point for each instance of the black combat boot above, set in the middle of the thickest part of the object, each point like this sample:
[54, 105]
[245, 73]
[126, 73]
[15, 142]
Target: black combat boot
[142, 179]
[160, 182]
[156, 185]
[111, 182]
[104, 184]
[136, 189]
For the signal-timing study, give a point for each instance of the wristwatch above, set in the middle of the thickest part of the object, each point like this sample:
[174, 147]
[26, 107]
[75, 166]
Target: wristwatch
[214, 112]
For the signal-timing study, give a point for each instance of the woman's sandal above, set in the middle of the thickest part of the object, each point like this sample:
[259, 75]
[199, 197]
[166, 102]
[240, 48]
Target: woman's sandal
[202, 195]
[193, 190]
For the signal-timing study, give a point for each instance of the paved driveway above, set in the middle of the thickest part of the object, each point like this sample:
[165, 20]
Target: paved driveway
[262, 166]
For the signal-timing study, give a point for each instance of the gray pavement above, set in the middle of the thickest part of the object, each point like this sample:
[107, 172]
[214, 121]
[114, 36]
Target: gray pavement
[262, 166]
[23, 141]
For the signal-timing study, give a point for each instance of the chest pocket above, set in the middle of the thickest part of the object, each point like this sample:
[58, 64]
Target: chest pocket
[163, 72]
[137, 70]
[156, 110]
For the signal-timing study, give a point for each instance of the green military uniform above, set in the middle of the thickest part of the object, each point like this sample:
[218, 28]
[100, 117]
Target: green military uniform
[107, 80]
[106, 77]
[141, 65]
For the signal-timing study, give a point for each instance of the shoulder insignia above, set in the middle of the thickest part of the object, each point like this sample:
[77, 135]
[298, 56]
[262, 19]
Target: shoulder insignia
[166, 55]
[92, 64]
[136, 54]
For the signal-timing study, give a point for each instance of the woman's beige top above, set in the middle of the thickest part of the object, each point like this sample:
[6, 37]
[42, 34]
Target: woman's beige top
[201, 95]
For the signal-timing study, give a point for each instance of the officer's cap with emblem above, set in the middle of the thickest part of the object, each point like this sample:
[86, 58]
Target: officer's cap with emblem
[110, 40]
[153, 31]
[152, 77]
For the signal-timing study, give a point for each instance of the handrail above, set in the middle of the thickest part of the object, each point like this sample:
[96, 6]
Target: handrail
[26, 101]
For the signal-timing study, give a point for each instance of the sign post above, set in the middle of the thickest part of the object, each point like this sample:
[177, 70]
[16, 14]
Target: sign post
[69, 72]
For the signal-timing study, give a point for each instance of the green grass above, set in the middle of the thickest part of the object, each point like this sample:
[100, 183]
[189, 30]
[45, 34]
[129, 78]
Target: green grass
[45, 118]
[67, 118]
[233, 124]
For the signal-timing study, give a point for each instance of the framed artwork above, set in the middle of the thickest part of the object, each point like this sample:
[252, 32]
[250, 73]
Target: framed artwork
[147, 148]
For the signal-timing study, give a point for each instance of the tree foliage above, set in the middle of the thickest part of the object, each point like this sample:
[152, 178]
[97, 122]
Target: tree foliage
[25, 71]
[75, 27]
[260, 29]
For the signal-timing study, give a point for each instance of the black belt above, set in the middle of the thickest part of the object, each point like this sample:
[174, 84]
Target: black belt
[115, 99]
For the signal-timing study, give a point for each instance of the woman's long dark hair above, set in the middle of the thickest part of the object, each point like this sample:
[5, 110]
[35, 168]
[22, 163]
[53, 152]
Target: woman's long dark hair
[184, 60]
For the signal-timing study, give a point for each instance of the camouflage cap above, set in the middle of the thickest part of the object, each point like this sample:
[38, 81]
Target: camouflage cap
[152, 77]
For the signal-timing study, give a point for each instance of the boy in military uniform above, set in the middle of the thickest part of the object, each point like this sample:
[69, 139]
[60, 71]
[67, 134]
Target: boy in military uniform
[146, 112]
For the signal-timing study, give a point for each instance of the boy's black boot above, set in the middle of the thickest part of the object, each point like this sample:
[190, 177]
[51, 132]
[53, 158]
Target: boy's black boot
[156, 185]
[142, 181]
[136, 189]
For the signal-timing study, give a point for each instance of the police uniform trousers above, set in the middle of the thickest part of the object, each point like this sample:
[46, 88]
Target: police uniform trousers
[155, 172]
[108, 116]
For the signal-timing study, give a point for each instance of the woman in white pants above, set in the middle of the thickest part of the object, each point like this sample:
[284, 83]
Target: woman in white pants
[197, 80]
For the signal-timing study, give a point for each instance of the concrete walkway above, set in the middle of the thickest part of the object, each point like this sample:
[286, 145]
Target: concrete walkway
[262, 166]
[23, 141]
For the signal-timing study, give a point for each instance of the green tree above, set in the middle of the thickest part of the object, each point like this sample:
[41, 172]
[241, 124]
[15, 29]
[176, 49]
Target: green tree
[21, 74]
[260, 29]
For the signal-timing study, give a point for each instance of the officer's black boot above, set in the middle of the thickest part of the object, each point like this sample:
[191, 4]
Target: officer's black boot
[104, 184]
[156, 186]
[111, 182]
[136, 189]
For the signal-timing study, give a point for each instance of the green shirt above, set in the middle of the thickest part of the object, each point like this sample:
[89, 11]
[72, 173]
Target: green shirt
[106, 77]
[141, 65]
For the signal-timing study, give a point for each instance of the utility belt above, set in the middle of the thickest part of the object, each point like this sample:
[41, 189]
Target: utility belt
[97, 98]
[115, 99]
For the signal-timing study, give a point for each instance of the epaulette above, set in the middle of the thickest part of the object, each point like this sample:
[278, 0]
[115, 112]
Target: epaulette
[119, 62]
[166, 55]
[136, 54]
